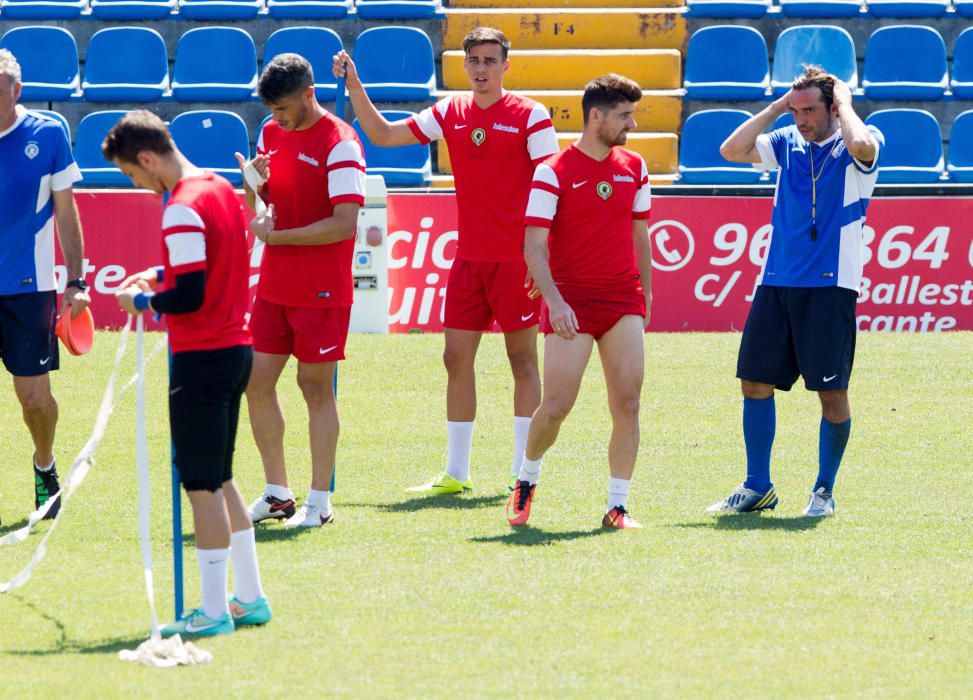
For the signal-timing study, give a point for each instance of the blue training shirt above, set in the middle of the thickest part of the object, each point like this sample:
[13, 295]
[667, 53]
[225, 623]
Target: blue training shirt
[36, 161]
[844, 187]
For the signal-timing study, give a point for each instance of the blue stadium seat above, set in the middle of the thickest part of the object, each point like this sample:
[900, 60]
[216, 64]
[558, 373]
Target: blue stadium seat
[830, 47]
[209, 138]
[396, 64]
[401, 166]
[219, 9]
[962, 80]
[700, 161]
[727, 63]
[727, 8]
[821, 8]
[95, 170]
[59, 118]
[907, 8]
[905, 62]
[913, 145]
[309, 9]
[215, 64]
[960, 166]
[132, 9]
[786, 119]
[317, 45]
[964, 8]
[42, 9]
[48, 58]
[126, 64]
[399, 9]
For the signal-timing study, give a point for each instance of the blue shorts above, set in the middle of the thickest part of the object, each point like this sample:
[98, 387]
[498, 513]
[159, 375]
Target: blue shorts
[799, 331]
[28, 344]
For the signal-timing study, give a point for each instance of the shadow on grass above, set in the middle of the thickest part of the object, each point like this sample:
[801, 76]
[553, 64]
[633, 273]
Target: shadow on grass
[450, 501]
[264, 532]
[10, 527]
[528, 536]
[755, 521]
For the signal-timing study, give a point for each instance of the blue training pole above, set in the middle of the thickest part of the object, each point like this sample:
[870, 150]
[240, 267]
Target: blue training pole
[339, 99]
[335, 470]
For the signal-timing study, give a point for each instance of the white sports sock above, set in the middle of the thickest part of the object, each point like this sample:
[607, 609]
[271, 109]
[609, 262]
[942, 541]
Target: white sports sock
[521, 428]
[212, 574]
[617, 492]
[48, 468]
[246, 571]
[277, 491]
[322, 499]
[530, 470]
[459, 444]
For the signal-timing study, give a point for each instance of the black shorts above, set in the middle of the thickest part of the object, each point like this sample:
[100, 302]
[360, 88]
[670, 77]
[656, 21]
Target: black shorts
[799, 331]
[28, 344]
[205, 387]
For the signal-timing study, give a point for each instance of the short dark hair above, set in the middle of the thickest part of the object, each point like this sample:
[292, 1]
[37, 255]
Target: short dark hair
[137, 131]
[486, 35]
[816, 76]
[286, 75]
[607, 91]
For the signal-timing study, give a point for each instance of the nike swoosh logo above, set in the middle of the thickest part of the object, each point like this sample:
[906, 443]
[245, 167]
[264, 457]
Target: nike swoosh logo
[325, 351]
[527, 317]
[44, 362]
[460, 126]
[270, 153]
[576, 185]
[193, 629]
[828, 379]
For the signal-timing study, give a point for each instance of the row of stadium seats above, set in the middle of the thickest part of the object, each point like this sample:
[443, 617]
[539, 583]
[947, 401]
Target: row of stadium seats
[831, 8]
[218, 9]
[209, 138]
[904, 62]
[129, 64]
[913, 151]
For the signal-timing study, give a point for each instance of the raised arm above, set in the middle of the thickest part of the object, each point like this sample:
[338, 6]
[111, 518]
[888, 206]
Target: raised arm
[856, 136]
[740, 146]
[381, 132]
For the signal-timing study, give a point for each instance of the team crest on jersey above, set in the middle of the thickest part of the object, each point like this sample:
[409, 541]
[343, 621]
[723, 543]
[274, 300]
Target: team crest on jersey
[31, 149]
[604, 190]
[478, 136]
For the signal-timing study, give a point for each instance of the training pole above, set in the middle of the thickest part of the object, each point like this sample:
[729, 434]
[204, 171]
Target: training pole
[339, 99]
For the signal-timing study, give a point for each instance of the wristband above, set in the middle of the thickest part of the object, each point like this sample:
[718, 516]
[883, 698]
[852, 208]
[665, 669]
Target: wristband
[143, 301]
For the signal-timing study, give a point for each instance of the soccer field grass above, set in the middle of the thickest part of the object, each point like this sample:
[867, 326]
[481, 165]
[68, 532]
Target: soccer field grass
[435, 597]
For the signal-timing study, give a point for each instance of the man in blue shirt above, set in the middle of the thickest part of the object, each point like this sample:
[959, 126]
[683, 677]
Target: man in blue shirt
[36, 189]
[802, 321]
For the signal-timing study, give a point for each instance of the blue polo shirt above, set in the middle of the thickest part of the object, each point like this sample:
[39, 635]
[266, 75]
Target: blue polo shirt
[833, 257]
[37, 161]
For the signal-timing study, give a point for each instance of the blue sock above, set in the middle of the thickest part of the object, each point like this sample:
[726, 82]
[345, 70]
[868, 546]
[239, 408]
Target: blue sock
[831, 447]
[759, 426]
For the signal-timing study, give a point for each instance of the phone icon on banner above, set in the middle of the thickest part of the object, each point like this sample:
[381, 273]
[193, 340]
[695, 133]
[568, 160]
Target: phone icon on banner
[672, 244]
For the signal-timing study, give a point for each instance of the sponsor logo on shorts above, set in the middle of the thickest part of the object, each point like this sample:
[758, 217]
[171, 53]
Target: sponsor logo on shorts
[828, 379]
[46, 360]
[604, 190]
[478, 136]
[325, 351]
[527, 317]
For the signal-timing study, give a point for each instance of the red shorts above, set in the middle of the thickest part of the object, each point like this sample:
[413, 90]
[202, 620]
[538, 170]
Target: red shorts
[598, 310]
[309, 334]
[477, 293]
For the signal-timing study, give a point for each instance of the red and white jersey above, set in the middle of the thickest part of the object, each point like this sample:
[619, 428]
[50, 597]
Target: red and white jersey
[493, 152]
[311, 172]
[589, 206]
[204, 227]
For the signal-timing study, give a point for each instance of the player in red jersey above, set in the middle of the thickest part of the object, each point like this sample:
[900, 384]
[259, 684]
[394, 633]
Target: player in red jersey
[312, 170]
[203, 294]
[495, 139]
[587, 247]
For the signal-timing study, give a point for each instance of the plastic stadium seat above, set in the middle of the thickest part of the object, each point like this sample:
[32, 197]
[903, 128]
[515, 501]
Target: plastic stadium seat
[786, 119]
[48, 59]
[964, 8]
[905, 62]
[907, 8]
[399, 9]
[727, 63]
[960, 165]
[821, 8]
[827, 46]
[220, 9]
[43, 9]
[913, 145]
[96, 171]
[700, 161]
[210, 138]
[396, 63]
[727, 8]
[309, 9]
[217, 64]
[126, 64]
[962, 79]
[57, 116]
[401, 166]
[317, 45]
[132, 9]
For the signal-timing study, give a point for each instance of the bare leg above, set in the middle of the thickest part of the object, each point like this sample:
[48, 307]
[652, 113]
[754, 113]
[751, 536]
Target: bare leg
[266, 418]
[40, 414]
[522, 354]
[210, 520]
[316, 381]
[459, 358]
[623, 360]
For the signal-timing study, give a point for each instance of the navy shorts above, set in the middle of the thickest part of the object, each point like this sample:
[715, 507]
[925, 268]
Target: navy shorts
[799, 331]
[28, 344]
[205, 387]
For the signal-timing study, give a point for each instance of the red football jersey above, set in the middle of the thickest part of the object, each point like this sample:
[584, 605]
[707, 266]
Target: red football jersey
[493, 152]
[589, 205]
[204, 227]
[311, 172]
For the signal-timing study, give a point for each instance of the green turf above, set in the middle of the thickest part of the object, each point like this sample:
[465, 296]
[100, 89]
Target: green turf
[438, 597]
